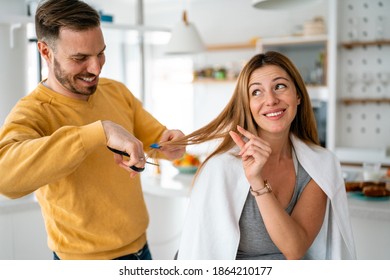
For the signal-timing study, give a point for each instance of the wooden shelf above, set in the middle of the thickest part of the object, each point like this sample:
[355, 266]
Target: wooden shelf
[16, 19]
[351, 45]
[360, 164]
[229, 47]
[350, 101]
[213, 81]
[294, 40]
[132, 27]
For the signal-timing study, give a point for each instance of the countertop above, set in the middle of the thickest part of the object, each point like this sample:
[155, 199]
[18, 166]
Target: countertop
[365, 207]
[369, 208]
[168, 183]
[171, 183]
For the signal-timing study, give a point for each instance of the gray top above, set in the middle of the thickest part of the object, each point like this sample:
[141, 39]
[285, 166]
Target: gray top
[255, 242]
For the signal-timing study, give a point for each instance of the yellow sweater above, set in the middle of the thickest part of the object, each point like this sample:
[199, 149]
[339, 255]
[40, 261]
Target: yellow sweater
[56, 146]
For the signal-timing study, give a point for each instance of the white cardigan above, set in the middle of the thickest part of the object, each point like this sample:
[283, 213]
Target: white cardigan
[211, 229]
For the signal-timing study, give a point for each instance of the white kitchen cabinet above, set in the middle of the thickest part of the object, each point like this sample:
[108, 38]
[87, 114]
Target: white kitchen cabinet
[22, 231]
[166, 216]
[166, 196]
[5, 237]
[370, 218]
[371, 238]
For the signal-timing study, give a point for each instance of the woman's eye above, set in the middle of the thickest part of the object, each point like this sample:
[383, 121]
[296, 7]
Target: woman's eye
[280, 86]
[256, 92]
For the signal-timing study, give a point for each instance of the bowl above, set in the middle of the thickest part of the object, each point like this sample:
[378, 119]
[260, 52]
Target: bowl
[186, 169]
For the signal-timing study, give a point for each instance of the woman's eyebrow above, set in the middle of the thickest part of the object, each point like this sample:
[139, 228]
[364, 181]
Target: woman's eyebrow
[254, 84]
[273, 80]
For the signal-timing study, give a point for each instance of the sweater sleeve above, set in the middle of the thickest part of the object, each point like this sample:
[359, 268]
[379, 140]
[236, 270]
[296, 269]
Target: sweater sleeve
[29, 161]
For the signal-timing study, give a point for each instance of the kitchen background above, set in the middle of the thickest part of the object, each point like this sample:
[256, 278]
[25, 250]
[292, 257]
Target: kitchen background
[342, 49]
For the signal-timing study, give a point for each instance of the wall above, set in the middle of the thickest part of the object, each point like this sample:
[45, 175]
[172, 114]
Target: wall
[363, 74]
[218, 21]
[13, 57]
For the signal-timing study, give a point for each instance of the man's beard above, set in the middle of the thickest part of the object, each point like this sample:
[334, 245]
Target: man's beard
[67, 82]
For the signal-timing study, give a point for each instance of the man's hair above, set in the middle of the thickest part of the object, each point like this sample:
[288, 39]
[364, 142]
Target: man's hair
[52, 15]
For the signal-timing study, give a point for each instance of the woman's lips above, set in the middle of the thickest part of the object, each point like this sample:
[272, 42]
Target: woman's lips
[274, 114]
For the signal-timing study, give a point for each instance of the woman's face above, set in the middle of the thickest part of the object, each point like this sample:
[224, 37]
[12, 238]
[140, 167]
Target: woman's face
[273, 99]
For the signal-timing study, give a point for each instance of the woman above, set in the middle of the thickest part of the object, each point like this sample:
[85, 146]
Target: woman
[269, 190]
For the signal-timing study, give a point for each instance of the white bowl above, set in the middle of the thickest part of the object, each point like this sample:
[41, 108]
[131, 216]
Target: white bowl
[186, 169]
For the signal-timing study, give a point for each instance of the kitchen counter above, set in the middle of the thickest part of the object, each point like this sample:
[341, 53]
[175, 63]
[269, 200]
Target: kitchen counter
[369, 208]
[170, 183]
[366, 207]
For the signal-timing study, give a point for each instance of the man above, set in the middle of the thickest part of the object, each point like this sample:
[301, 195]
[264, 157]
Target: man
[55, 140]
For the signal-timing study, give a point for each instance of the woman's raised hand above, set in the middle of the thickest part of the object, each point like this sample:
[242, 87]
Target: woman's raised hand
[254, 154]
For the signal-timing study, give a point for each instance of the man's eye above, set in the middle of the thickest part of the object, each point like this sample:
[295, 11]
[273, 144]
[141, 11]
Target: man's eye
[79, 58]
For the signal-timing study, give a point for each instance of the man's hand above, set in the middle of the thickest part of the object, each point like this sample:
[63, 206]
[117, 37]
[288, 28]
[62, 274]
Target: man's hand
[120, 139]
[172, 152]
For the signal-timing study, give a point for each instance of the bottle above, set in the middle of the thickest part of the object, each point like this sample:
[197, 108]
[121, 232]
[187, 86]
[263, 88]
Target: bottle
[319, 73]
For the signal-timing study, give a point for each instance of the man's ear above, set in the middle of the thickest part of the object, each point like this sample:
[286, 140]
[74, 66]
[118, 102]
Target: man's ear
[45, 51]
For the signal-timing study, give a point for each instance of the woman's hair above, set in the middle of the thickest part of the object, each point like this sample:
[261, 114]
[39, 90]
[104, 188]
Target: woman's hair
[52, 15]
[237, 111]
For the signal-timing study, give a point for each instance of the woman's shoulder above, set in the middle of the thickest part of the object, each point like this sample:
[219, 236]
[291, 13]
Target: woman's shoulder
[223, 169]
[225, 164]
[312, 149]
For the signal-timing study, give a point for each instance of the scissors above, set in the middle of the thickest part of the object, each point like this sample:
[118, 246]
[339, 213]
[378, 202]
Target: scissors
[135, 168]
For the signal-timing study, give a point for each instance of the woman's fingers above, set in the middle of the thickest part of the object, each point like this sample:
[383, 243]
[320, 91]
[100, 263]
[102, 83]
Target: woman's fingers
[244, 132]
[255, 152]
[253, 140]
[237, 139]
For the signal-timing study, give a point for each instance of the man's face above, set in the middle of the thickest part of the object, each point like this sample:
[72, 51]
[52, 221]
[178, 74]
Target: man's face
[76, 62]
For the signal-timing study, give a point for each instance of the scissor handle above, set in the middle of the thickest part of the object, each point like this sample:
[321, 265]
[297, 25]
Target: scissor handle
[135, 168]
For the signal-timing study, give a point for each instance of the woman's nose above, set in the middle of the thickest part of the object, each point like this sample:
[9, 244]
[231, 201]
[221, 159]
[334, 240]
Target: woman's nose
[271, 98]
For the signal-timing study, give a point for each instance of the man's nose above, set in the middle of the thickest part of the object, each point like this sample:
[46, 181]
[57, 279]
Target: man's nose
[95, 66]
